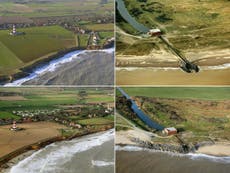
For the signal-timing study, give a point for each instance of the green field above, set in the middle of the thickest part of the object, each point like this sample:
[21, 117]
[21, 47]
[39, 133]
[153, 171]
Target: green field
[83, 40]
[48, 98]
[7, 115]
[100, 27]
[35, 8]
[205, 93]
[16, 51]
[95, 121]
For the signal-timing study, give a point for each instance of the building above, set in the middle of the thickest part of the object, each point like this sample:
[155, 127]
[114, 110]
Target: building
[14, 126]
[154, 32]
[169, 131]
[14, 32]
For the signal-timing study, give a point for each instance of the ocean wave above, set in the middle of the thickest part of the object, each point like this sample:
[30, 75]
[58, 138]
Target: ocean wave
[57, 154]
[100, 163]
[146, 68]
[217, 67]
[52, 65]
[193, 156]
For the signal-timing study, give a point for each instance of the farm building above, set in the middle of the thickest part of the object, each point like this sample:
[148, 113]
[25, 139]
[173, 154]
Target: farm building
[169, 131]
[154, 32]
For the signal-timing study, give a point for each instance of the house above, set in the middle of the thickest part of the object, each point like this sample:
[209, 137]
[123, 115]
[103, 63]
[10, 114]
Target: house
[154, 32]
[169, 131]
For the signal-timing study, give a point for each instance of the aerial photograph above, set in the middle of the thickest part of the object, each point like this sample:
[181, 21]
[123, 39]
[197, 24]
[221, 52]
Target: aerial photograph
[56, 42]
[172, 129]
[180, 42]
[56, 130]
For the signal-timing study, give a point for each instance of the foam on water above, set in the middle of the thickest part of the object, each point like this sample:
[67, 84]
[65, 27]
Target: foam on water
[52, 65]
[146, 68]
[100, 163]
[193, 156]
[217, 67]
[55, 155]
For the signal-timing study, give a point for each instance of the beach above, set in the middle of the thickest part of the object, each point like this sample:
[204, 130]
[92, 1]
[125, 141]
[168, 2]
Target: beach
[171, 76]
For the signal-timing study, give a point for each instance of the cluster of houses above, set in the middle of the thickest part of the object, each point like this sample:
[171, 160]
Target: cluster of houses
[33, 113]
[62, 116]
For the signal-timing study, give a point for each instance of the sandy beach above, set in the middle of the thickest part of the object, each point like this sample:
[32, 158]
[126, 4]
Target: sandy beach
[216, 150]
[34, 132]
[151, 76]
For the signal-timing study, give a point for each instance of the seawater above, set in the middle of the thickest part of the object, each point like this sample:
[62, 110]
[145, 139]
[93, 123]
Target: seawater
[89, 154]
[131, 159]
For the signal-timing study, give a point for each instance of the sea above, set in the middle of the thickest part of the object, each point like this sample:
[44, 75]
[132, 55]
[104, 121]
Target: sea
[131, 159]
[89, 154]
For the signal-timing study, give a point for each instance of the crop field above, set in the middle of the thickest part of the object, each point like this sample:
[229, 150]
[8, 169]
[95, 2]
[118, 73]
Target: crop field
[83, 39]
[37, 8]
[95, 121]
[45, 98]
[204, 93]
[38, 42]
[100, 27]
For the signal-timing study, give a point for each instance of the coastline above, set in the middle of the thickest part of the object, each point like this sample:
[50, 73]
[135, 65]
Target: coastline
[26, 70]
[129, 139]
[7, 161]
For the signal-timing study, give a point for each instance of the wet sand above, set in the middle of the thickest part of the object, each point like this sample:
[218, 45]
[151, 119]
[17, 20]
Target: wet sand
[34, 132]
[217, 150]
[151, 76]
[158, 162]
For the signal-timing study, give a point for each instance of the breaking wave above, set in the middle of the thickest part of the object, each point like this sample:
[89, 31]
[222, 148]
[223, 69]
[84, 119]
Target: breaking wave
[56, 155]
[100, 163]
[193, 156]
[52, 65]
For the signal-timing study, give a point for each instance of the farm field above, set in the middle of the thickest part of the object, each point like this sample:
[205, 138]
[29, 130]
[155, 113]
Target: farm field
[49, 99]
[39, 41]
[100, 27]
[37, 8]
[204, 93]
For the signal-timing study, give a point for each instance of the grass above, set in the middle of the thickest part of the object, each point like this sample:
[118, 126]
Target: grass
[8, 58]
[18, 51]
[100, 27]
[55, 8]
[204, 93]
[95, 121]
[83, 40]
[188, 24]
[43, 98]
[8, 115]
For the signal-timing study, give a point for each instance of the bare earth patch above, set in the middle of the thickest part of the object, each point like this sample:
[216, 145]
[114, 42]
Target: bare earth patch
[34, 132]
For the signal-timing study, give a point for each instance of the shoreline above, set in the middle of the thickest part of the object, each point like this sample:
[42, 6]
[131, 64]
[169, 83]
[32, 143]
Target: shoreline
[26, 70]
[130, 139]
[132, 147]
[7, 161]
